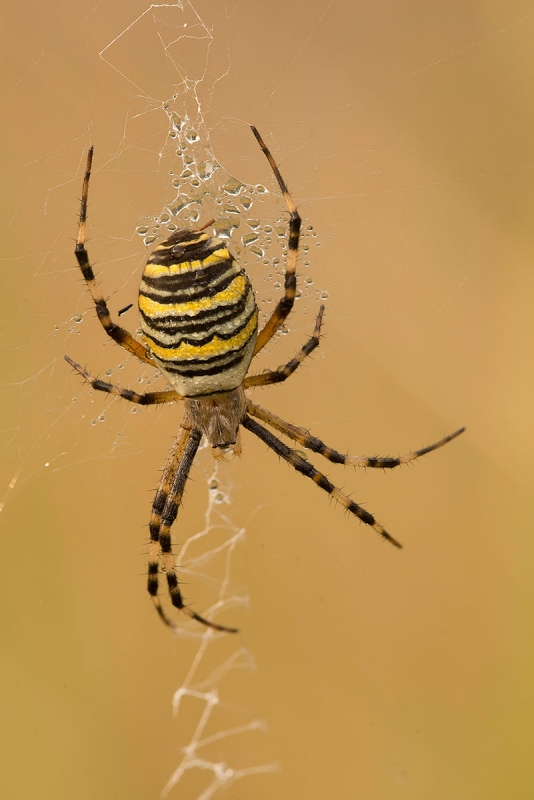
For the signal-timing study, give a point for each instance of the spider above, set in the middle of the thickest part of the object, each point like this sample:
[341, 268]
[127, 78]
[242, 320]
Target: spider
[199, 322]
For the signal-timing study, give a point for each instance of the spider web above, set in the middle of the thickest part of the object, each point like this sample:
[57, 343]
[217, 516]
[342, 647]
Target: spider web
[167, 133]
[389, 136]
[202, 691]
[199, 188]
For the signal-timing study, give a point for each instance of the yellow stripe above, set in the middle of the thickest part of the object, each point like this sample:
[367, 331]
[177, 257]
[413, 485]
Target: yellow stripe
[217, 347]
[166, 246]
[156, 270]
[233, 292]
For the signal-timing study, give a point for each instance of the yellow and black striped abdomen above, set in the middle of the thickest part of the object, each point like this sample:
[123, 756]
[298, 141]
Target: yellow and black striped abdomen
[198, 314]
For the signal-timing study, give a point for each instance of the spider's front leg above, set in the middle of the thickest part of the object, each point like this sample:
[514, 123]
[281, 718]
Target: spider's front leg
[304, 437]
[164, 513]
[307, 469]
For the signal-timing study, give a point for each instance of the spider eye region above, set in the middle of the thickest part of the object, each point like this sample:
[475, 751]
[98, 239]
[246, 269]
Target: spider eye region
[219, 416]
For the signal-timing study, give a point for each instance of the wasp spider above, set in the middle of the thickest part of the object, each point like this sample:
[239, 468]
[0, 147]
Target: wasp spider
[199, 322]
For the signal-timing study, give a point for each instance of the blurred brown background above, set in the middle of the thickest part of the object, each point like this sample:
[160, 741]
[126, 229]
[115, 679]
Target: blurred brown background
[405, 134]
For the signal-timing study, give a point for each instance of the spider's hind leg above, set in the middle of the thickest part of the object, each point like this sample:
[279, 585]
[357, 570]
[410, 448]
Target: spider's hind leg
[120, 335]
[285, 304]
[144, 399]
[280, 374]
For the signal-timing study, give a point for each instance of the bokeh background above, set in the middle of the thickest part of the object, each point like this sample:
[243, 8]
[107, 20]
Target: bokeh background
[405, 134]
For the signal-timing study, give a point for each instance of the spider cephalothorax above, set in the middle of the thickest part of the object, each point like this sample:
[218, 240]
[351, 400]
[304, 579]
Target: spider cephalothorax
[199, 322]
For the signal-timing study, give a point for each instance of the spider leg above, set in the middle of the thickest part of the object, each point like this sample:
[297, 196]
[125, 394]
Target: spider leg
[304, 438]
[145, 399]
[306, 468]
[118, 334]
[164, 513]
[284, 305]
[280, 374]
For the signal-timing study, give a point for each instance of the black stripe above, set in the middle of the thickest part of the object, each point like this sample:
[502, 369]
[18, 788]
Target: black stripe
[183, 363]
[199, 373]
[193, 296]
[201, 321]
[185, 280]
[205, 340]
[182, 252]
[173, 325]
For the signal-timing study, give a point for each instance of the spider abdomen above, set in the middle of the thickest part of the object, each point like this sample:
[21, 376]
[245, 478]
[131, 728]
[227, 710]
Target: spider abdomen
[198, 314]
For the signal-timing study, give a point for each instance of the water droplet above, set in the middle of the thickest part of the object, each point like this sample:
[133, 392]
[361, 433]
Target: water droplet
[181, 202]
[149, 240]
[224, 227]
[230, 209]
[253, 223]
[258, 251]
[77, 318]
[249, 238]
[246, 202]
[260, 188]
[205, 169]
[233, 186]
[324, 295]
[192, 136]
[308, 281]
[141, 230]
